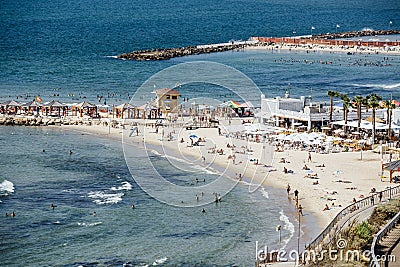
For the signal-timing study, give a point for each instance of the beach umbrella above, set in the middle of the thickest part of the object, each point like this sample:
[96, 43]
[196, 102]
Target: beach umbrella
[337, 172]
[193, 136]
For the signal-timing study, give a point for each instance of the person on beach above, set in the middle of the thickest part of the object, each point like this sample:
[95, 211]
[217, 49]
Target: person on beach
[380, 196]
[288, 189]
[309, 156]
[326, 207]
[372, 200]
[296, 194]
[296, 203]
[300, 210]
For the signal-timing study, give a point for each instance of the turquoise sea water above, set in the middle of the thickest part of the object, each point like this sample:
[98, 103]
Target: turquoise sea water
[62, 47]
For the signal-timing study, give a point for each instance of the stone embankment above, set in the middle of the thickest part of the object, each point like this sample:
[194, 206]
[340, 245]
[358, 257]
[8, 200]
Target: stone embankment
[341, 35]
[29, 121]
[168, 53]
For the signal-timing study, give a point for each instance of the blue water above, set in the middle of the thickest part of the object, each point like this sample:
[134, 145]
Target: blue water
[62, 47]
[95, 178]
[57, 48]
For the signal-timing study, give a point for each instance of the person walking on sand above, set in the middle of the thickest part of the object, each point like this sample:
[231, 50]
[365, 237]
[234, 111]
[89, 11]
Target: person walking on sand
[296, 194]
[309, 156]
[300, 210]
[380, 196]
[288, 189]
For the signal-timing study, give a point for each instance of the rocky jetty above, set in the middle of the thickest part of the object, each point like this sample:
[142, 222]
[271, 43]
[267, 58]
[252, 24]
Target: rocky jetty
[38, 121]
[168, 53]
[353, 34]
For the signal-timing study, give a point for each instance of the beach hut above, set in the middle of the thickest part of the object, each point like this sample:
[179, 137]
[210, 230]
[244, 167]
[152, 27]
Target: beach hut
[10, 107]
[125, 107]
[392, 167]
[32, 106]
[55, 105]
[85, 107]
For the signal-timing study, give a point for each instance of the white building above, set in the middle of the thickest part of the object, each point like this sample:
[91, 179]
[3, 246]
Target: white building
[290, 112]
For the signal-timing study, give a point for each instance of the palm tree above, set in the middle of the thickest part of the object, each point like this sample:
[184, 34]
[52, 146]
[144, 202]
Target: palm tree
[331, 95]
[360, 101]
[389, 105]
[346, 105]
[373, 102]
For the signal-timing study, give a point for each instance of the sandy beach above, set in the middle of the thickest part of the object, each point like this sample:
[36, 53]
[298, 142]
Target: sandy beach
[344, 175]
[313, 48]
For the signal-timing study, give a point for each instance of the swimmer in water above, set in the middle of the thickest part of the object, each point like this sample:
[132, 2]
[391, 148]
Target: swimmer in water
[13, 214]
[52, 206]
[203, 210]
[94, 214]
[133, 206]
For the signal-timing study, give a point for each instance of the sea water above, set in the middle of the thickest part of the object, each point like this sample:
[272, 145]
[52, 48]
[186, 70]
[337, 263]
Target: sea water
[38, 171]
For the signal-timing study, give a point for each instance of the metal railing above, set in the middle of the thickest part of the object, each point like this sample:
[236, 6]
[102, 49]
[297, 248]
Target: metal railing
[389, 226]
[331, 230]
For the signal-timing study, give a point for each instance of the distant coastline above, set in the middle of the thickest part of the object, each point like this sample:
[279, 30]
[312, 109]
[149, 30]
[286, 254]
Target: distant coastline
[328, 39]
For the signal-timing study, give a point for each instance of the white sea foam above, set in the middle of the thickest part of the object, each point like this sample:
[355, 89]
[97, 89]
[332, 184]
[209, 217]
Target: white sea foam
[6, 188]
[160, 261]
[105, 198]
[111, 56]
[264, 193]
[194, 166]
[288, 226]
[380, 86]
[89, 224]
[125, 186]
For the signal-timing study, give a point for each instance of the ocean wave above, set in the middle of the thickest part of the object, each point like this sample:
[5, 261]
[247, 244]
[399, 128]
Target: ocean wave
[125, 186]
[159, 261]
[288, 226]
[102, 198]
[379, 86]
[6, 188]
[89, 224]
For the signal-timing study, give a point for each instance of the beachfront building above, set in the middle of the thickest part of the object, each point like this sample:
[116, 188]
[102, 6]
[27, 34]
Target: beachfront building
[295, 112]
[167, 101]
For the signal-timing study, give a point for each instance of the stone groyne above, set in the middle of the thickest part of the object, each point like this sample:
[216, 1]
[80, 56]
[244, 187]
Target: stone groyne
[168, 53]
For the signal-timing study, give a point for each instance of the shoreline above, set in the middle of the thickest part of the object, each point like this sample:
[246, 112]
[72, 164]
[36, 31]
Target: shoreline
[336, 190]
[308, 228]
